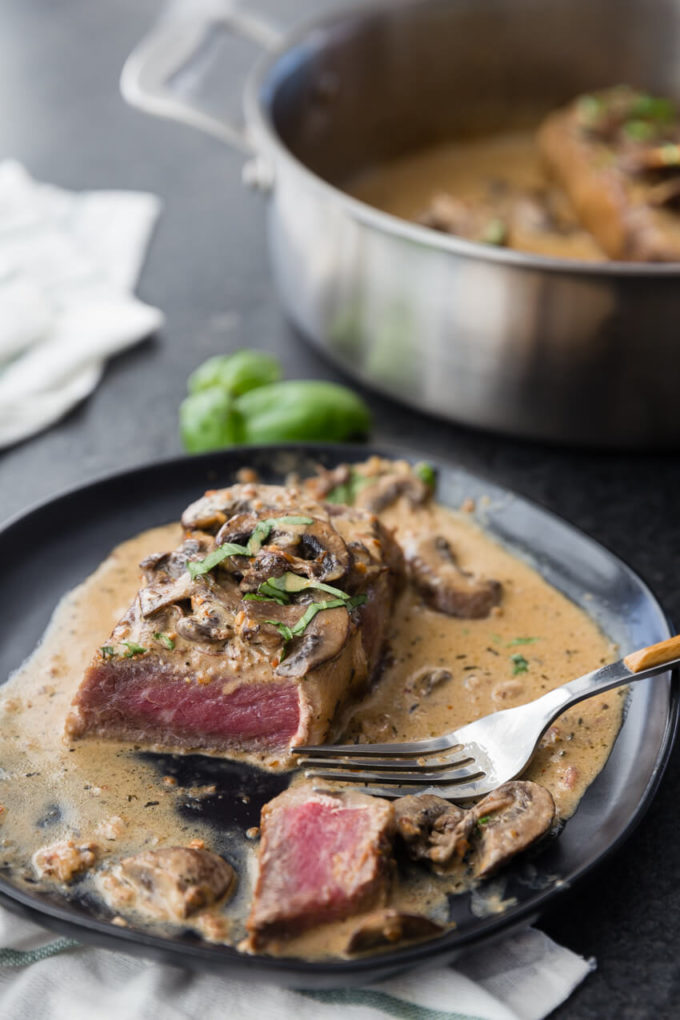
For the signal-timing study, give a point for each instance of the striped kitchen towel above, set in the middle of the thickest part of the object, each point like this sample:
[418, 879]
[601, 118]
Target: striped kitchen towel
[43, 977]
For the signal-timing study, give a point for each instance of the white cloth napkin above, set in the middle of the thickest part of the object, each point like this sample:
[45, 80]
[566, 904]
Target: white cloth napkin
[68, 264]
[43, 977]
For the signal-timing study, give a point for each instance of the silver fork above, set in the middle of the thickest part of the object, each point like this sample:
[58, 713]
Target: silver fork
[479, 757]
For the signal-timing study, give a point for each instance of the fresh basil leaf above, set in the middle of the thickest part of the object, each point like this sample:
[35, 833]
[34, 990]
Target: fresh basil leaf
[259, 536]
[263, 529]
[283, 629]
[253, 597]
[347, 492]
[133, 649]
[164, 639]
[290, 582]
[204, 566]
[107, 652]
[310, 612]
[425, 471]
[519, 664]
[290, 520]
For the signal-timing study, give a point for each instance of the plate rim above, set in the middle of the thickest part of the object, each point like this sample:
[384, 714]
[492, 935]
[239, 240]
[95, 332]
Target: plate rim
[377, 966]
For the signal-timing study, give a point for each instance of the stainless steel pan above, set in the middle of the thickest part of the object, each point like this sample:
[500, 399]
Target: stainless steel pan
[548, 348]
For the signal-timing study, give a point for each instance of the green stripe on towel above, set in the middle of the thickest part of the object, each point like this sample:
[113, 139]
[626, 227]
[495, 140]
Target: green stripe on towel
[389, 1005]
[23, 958]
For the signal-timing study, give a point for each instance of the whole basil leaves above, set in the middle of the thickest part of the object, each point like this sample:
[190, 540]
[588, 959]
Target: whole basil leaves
[239, 398]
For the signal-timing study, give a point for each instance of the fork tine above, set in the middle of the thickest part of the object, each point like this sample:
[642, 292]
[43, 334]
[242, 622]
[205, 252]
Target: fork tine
[421, 778]
[462, 792]
[412, 749]
[388, 763]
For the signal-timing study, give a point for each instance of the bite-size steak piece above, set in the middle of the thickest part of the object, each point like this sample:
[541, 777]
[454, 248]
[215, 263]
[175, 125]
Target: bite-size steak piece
[323, 856]
[249, 637]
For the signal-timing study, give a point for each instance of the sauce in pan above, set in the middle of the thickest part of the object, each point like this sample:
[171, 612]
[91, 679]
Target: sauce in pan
[441, 672]
[500, 175]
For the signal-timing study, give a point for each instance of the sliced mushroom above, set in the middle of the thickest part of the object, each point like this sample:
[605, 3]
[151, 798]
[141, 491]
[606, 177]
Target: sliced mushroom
[213, 608]
[325, 481]
[433, 829]
[324, 638]
[313, 550]
[371, 545]
[388, 488]
[254, 625]
[213, 509]
[216, 507]
[509, 820]
[169, 884]
[171, 565]
[158, 596]
[480, 839]
[372, 485]
[385, 927]
[443, 585]
[211, 621]
[425, 680]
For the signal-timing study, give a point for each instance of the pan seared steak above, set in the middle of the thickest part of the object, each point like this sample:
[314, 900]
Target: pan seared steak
[247, 638]
[323, 856]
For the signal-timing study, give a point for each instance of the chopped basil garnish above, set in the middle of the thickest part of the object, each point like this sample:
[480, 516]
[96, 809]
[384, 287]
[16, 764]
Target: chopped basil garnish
[133, 649]
[284, 630]
[204, 566]
[653, 108]
[261, 533]
[348, 491]
[289, 520]
[640, 130]
[164, 640]
[494, 232]
[484, 820]
[519, 664]
[590, 110]
[426, 473]
[263, 530]
[288, 633]
[282, 600]
[670, 154]
[288, 583]
[107, 651]
[522, 641]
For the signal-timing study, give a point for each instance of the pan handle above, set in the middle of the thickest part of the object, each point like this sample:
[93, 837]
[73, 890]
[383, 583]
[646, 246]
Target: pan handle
[172, 45]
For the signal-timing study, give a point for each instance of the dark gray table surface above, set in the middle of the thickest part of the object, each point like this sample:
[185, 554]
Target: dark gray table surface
[207, 269]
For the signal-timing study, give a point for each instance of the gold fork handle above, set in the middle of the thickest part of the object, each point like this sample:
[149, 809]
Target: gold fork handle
[653, 655]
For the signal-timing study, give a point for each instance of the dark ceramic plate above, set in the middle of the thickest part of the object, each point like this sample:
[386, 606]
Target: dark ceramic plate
[50, 549]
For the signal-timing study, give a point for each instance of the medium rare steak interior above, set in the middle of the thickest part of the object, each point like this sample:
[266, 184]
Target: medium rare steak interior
[246, 639]
[323, 856]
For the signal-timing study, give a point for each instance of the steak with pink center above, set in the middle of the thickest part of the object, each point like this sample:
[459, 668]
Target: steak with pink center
[322, 857]
[251, 636]
[132, 700]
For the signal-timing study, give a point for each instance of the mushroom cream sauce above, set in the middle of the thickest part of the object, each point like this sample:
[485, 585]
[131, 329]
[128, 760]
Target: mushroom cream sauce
[470, 171]
[99, 792]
